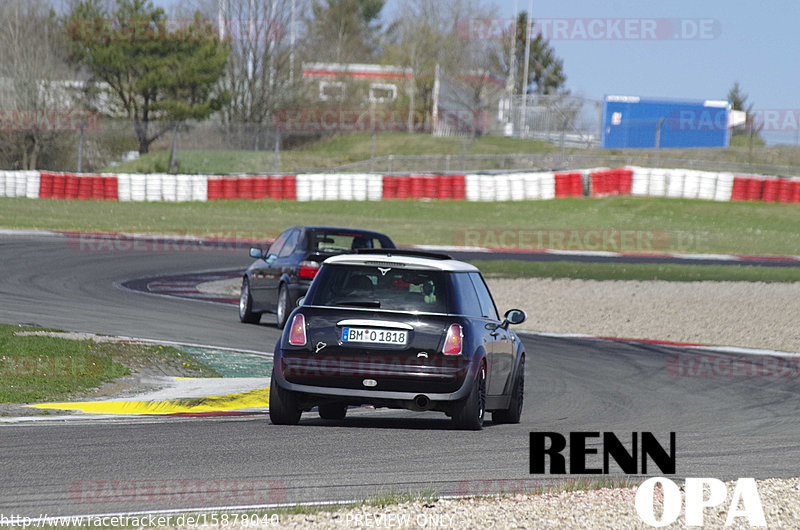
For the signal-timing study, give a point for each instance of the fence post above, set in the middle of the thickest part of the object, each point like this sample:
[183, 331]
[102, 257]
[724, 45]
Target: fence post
[277, 157]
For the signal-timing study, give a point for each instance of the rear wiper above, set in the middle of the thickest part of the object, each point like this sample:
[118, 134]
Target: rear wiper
[360, 303]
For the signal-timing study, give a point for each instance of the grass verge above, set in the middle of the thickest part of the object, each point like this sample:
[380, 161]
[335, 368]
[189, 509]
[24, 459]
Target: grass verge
[36, 368]
[670, 225]
[638, 271]
[341, 149]
[331, 151]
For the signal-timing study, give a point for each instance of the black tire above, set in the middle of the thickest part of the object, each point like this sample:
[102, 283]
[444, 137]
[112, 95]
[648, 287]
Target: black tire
[284, 306]
[332, 411]
[283, 408]
[246, 313]
[468, 413]
[514, 412]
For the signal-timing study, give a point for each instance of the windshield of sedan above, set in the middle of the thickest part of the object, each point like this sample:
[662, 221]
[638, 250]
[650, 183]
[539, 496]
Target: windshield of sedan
[377, 287]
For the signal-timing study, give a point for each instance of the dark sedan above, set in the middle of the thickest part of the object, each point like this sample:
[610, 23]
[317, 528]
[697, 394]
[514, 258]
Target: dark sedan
[283, 273]
[399, 329]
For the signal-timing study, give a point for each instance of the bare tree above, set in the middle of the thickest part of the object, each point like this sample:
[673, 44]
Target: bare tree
[429, 33]
[261, 75]
[35, 98]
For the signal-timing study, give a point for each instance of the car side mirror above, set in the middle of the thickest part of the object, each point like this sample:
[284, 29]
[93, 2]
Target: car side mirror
[300, 301]
[514, 316]
[256, 253]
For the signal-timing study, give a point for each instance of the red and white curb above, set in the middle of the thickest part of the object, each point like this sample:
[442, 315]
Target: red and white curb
[733, 350]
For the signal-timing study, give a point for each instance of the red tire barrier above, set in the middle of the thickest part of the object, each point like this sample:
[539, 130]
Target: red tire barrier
[403, 187]
[417, 186]
[459, 187]
[260, 187]
[71, 183]
[389, 187]
[46, 183]
[430, 186]
[445, 188]
[568, 185]
[85, 188]
[754, 189]
[275, 188]
[599, 183]
[771, 189]
[59, 186]
[796, 190]
[98, 188]
[289, 187]
[606, 182]
[785, 190]
[739, 190]
[229, 185]
[214, 189]
[110, 188]
[244, 188]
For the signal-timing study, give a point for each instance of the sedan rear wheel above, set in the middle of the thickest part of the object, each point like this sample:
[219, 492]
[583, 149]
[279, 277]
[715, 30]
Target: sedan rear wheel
[332, 411]
[283, 309]
[514, 411]
[246, 313]
[468, 413]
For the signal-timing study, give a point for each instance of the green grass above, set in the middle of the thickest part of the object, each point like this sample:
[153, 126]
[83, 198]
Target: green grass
[642, 272]
[674, 225]
[45, 368]
[329, 152]
[339, 150]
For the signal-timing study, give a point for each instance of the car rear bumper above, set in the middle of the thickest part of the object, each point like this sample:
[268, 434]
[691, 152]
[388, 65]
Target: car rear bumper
[380, 397]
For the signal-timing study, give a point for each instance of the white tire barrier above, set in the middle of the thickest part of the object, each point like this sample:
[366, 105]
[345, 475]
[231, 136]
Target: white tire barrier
[124, 187]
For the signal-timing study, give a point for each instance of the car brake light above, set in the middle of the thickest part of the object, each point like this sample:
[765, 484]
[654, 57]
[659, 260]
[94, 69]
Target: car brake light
[297, 333]
[308, 269]
[453, 341]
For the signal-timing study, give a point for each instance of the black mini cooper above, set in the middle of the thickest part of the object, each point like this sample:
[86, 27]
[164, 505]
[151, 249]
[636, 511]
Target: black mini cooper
[399, 329]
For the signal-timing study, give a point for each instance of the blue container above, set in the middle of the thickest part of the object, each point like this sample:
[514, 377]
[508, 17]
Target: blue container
[631, 121]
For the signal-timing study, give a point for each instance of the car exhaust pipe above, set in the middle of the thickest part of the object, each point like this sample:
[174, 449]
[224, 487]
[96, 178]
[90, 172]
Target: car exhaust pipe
[422, 402]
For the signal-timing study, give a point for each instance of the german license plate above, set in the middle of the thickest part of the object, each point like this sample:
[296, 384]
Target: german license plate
[374, 336]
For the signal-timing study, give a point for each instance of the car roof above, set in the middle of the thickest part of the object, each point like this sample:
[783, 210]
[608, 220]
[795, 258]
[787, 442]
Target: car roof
[405, 260]
[340, 229]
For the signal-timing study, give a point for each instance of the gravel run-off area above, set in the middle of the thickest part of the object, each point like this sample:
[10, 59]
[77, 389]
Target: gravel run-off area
[744, 314]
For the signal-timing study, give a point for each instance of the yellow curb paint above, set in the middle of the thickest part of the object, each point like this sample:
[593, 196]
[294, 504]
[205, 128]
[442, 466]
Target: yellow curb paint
[253, 398]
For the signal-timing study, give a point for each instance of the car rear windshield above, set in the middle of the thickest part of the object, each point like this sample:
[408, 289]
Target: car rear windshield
[379, 287]
[342, 241]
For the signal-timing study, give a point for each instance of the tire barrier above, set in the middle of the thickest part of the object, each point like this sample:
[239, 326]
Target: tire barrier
[569, 184]
[608, 182]
[541, 185]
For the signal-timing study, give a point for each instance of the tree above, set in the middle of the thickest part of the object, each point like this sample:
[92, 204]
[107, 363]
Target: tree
[36, 112]
[159, 73]
[545, 69]
[738, 100]
[259, 73]
[428, 33]
[343, 30]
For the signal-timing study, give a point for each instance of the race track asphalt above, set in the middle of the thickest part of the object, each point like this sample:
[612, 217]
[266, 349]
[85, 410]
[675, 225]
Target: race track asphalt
[726, 427]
